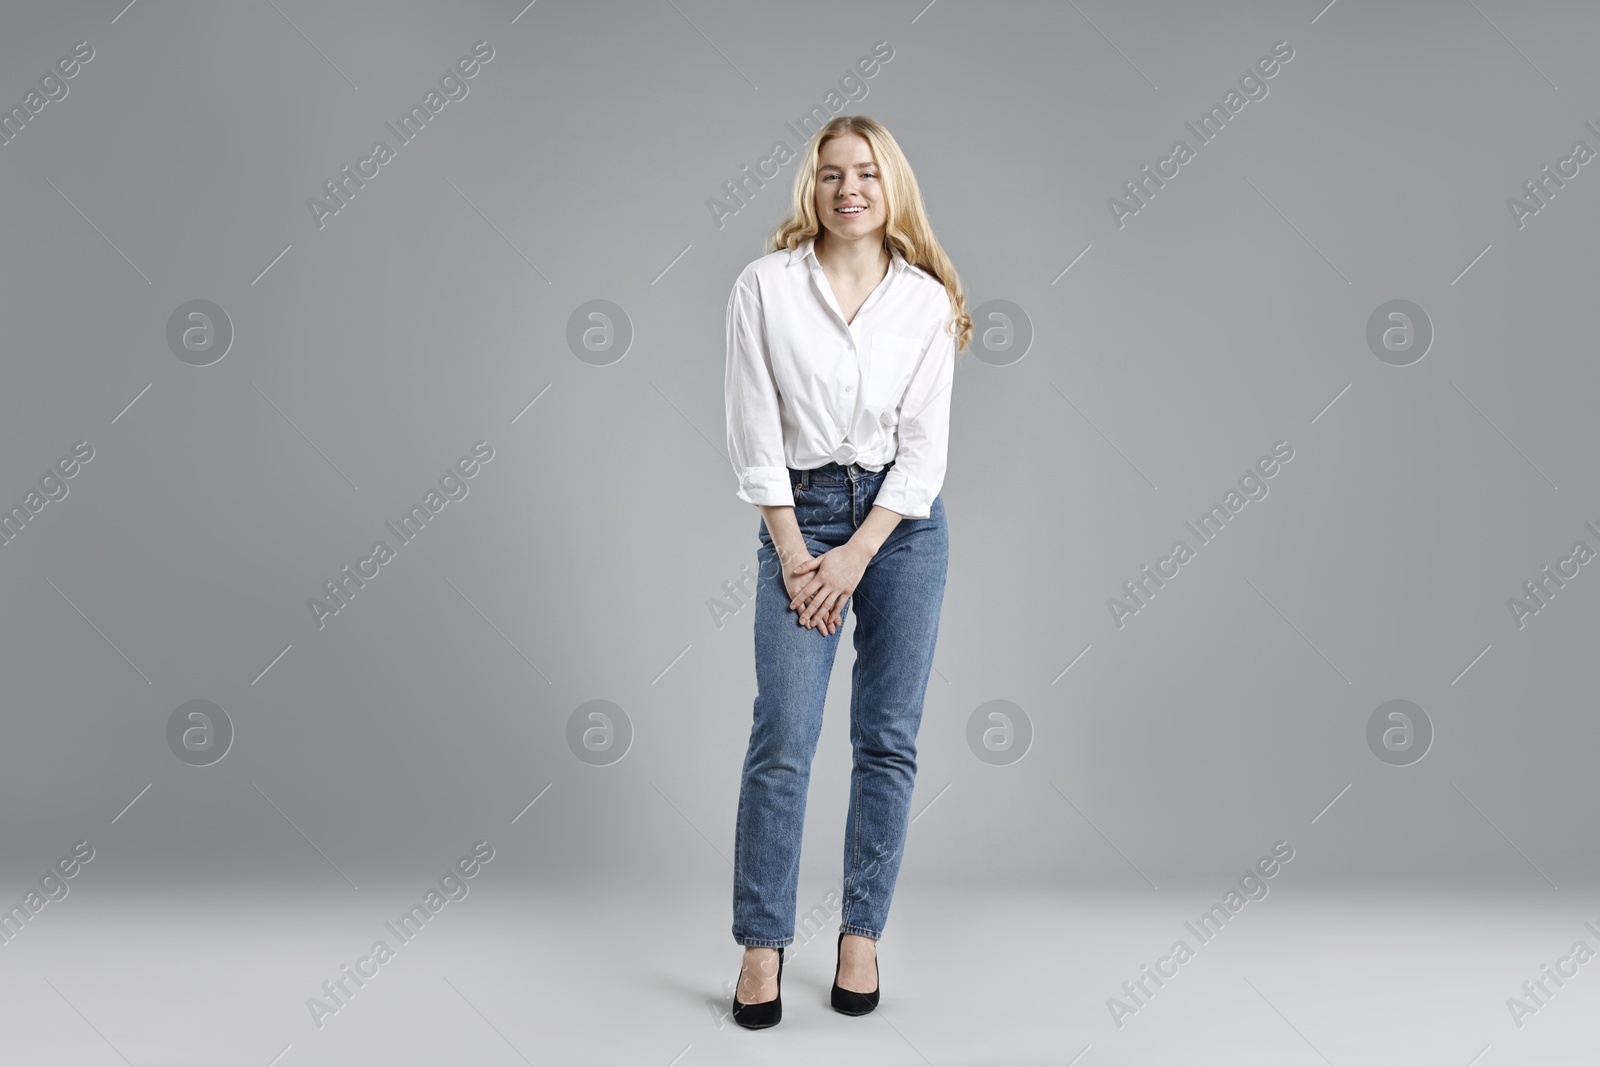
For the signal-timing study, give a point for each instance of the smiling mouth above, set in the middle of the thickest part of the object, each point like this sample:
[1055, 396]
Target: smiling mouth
[849, 212]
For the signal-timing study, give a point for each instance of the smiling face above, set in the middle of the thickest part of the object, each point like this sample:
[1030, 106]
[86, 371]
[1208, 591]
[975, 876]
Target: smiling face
[849, 197]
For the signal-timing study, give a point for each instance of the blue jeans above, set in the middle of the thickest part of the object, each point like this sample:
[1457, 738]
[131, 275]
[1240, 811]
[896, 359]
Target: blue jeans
[897, 606]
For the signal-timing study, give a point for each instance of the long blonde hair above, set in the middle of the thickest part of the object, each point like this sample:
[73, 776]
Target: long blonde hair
[907, 231]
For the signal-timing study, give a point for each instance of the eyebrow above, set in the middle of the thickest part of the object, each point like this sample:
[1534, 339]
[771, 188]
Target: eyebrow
[834, 166]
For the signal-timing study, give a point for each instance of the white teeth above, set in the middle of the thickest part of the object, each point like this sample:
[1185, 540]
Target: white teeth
[850, 210]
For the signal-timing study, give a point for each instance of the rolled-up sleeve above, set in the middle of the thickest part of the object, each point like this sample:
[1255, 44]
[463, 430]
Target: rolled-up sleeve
[755, 420]
[919, 465]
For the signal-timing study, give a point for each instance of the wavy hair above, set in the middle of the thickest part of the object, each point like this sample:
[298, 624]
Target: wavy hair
[907, 231]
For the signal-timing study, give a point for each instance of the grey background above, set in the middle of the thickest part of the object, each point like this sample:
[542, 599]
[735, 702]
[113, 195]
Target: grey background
[1176, 351]
[1228, 314]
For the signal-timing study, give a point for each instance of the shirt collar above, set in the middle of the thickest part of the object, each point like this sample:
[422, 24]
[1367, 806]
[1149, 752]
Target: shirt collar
[804, 250]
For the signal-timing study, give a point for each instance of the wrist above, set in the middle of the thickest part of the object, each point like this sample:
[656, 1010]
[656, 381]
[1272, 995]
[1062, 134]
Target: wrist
[791, 550]
[862, 543]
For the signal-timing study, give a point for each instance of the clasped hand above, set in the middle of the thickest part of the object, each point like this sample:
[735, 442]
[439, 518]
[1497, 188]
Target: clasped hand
[819, 585]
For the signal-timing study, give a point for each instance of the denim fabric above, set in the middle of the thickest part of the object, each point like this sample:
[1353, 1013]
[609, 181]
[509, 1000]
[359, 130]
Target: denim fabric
[896, 607]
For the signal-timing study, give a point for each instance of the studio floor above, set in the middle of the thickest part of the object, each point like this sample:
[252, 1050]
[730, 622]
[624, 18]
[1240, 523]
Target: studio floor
[642, 975]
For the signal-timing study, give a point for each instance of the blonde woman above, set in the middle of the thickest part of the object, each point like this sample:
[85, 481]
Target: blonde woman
[842, 342]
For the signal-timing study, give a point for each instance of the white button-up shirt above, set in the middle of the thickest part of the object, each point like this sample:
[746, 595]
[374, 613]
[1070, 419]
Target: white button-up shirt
[804, 387]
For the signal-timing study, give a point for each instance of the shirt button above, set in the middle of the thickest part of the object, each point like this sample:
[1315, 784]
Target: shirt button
[849, 388]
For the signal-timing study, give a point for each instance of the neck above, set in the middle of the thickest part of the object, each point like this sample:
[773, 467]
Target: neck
[863, 255]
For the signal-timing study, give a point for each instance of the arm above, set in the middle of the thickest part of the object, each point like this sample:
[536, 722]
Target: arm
[786, 537]
[754, 415]
[919, 467]
[755, 427]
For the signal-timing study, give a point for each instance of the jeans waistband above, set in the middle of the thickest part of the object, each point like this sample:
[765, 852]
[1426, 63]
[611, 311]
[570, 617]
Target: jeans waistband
[834, 474]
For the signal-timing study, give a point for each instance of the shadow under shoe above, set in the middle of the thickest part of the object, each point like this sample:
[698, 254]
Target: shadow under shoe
[762, 1015]
[849, 1001]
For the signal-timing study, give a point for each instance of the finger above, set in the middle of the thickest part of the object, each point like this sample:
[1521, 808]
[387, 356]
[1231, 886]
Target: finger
[798, 601]
[805, 594]
[817, 606]
[808, 590]
[821, 607]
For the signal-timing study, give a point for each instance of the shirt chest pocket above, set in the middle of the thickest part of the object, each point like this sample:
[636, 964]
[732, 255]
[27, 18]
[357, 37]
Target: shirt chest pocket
[893, 358]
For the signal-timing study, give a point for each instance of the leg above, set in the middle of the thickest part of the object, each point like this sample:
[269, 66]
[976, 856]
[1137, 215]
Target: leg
[897, 623]
[793, 664]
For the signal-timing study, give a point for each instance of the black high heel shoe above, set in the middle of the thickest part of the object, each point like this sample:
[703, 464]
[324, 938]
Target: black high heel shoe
[849, 1001]
[762, 1015]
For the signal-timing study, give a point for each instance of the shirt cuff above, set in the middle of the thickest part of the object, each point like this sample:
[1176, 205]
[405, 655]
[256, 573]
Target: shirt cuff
[766, 486]
[902, 493]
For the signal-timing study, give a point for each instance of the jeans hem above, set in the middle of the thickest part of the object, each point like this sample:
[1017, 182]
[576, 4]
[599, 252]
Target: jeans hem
[860, 931]
[760, 942]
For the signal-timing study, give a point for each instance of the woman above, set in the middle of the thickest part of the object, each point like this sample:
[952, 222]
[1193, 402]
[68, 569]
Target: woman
[842, 343]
